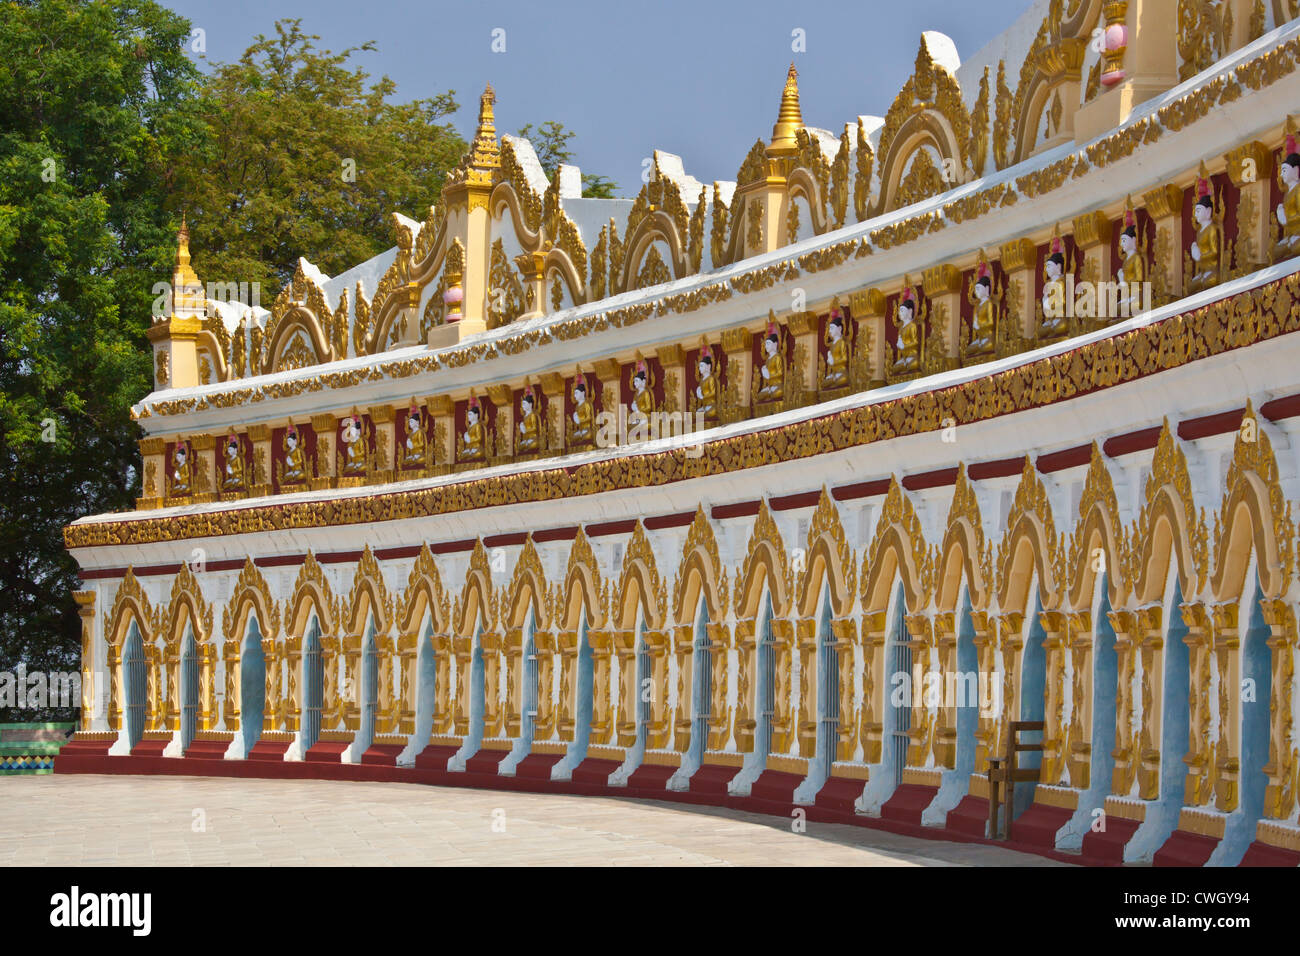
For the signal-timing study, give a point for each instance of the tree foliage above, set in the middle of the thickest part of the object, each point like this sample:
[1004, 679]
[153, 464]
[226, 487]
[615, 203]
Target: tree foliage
[307, 157]
[97, 99]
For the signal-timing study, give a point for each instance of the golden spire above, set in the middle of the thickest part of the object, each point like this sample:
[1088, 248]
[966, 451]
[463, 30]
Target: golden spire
[789, 120]
[185, 282]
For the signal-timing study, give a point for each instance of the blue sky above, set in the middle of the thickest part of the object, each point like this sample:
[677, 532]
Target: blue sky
[702, 79]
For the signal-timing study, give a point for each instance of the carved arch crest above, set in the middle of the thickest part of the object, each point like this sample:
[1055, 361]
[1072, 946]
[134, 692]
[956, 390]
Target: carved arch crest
[898, 545]
[765, 560]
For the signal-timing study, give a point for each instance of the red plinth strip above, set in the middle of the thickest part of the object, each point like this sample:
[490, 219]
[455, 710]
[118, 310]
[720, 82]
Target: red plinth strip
[272, 750]
[382, 755]
[840, 794]
[650, 777]
[1262, 854]
[908, 803]
[485, 762]
[207, 750]
[434, 757]
[970, 816]
[326, 752]
[537, 766]
[149, 748]
[1108, 846]
[594, 772]
[775, 786]
[1037, 826]
[1185, 849]
[712, 780]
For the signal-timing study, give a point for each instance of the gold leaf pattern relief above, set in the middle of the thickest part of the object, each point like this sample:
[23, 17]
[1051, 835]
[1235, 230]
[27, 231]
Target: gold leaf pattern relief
[977, 152]
[865, 160]
[922, 181]
[1004, 104]
[718, 230]
[695, 246]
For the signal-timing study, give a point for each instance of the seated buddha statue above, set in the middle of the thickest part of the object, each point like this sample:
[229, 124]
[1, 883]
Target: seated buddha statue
[984, 317]
[181, 475]
[907, 351]
[772, 372]
[583, 415]
[232, 470]
[356, 447]
[706, 388]
[472, 443]
[642, 405]
[415, 445]
[1055, 321]
[1132, 271]
[836, 371]
[294, 467]
[530, 426]
[1288, 210]
[1208, 244]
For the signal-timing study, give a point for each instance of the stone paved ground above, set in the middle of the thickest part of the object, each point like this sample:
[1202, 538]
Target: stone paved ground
[142, 820]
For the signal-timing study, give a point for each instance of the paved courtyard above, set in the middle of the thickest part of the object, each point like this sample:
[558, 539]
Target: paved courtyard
[205, 821]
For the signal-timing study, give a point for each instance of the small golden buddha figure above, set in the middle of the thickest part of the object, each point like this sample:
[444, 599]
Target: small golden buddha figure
[706, 388]
[1055, 321]
[415, 444]
[472, 443]
[294, 467]
[1132, 272]
[356, 449]
[772, 371]
[584, 415]
[181, 469]
[232, 469]
[908, 349]
[530, 425]
[836, 372]
[1207, 248]
[642, 406]
[1288, 210]
[984, 317]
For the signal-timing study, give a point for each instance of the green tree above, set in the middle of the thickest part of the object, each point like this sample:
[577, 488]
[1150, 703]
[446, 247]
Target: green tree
[97, 98]
[307, 157]
[551, 142]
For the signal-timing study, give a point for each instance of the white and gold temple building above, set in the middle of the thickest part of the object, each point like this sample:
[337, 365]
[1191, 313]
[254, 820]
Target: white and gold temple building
[974, 413]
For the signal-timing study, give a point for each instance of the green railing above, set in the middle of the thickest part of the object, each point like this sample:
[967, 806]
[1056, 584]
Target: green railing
[31, 748]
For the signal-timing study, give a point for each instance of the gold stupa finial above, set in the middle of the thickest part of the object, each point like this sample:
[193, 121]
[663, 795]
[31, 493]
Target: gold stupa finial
[789, 120]
[485, 153]
[183, 276]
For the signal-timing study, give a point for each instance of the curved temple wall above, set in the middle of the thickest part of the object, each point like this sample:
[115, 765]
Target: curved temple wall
[839, 593]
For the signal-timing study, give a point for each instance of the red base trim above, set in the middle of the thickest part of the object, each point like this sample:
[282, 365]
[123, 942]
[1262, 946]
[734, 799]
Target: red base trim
[537, 766]
[840, 794]
[593, 772]
[1037, 826]
[486, 762]
[207, 750]
[270, 750]
[434, 757]
[326, 752]
[1185, 849]
[775, 786]
[1108, 846]
[970, 817]
[653, 777]
[149, 748]
[908, 803]
[1263, 854]
[382, 755]
[711, 780]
